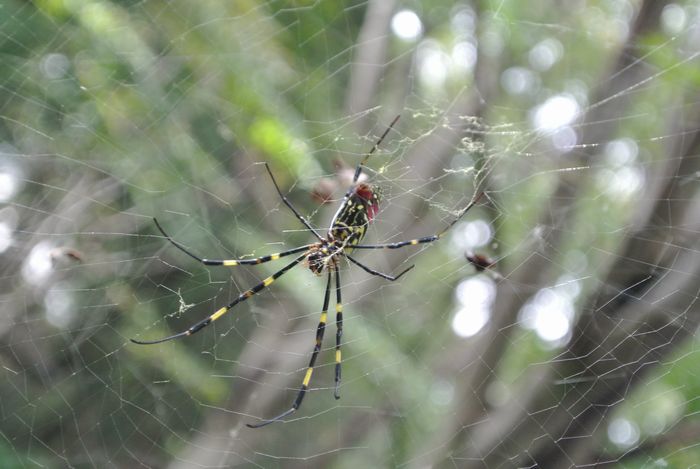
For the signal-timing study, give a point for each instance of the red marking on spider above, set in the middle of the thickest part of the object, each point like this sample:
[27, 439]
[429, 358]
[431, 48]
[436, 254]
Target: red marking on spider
[372, 201]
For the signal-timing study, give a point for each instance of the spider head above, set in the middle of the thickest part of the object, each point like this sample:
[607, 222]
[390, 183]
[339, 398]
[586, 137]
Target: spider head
[370, 196]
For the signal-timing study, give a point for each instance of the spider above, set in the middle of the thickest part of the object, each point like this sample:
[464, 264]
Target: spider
[358, 208]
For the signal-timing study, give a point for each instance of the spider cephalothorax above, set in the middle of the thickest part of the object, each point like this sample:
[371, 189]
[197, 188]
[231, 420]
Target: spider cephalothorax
[320, 256]
[358, 208]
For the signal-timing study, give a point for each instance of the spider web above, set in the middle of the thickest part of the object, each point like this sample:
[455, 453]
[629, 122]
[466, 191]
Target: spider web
[553, 326]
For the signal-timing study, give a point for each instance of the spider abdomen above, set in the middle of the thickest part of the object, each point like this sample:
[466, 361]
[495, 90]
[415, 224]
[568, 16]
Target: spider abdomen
[350, 222]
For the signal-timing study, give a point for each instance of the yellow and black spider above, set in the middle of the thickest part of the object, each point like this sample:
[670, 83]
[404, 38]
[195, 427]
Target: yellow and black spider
[357, 209]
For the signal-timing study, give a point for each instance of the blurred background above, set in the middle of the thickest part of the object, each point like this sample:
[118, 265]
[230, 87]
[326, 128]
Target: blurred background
[555, 326]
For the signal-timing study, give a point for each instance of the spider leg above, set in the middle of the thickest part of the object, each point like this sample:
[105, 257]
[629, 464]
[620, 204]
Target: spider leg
[358, 170]
[231, 262]
[338, 332]
[426, 239]
[225, 309]
[310, 369]
[400, 244]
[377, 273]
[291, 207]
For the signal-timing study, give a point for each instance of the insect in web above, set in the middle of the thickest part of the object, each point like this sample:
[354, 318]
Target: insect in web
[357, 209]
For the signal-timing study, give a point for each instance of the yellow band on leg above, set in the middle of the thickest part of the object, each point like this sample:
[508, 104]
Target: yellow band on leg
[307, 378]
[218, 314]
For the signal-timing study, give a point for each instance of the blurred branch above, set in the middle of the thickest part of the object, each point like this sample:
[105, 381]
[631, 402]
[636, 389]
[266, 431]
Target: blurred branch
[615, 348]
[622, 344]
[369, 62]
[599, 125]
